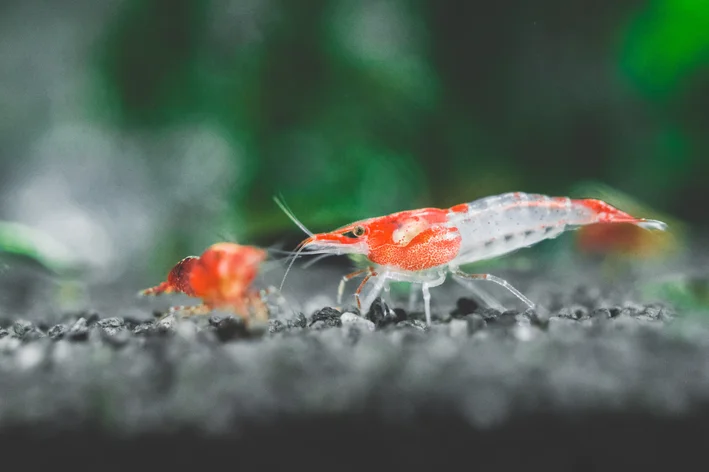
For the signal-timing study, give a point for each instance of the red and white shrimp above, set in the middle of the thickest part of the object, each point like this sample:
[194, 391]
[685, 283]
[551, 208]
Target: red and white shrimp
[221, 277]
[423, 246]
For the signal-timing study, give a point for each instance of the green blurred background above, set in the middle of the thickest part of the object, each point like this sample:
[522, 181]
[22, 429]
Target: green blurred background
[171, 123]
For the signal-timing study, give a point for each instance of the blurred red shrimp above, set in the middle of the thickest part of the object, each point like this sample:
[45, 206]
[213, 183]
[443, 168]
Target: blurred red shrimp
[221, 277]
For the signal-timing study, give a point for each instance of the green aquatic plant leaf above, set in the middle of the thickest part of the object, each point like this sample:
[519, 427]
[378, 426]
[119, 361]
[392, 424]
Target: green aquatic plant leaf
[19, 239]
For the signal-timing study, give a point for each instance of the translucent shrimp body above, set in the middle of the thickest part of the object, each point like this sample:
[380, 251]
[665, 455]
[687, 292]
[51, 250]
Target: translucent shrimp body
[423, 246]
[497, 225]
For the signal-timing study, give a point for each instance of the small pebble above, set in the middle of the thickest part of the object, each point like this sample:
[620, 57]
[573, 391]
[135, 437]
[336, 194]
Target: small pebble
[3, 333]
[57, 331]
[298, 322]
[144, 328]
[573, 312]
[92, 317]
[488, 314]
[111, 326]
[166, 323]
[381, 314]
[351, 319]
[22, 327]
[464, 306]
[229, 327]
[327, 317]
[275, 326]
[79, 331]
[508, 318]
[416, 324]
[401, 314]
[601, 313]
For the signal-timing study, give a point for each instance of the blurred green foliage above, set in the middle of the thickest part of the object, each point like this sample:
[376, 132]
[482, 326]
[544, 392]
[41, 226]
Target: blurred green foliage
[358, 108]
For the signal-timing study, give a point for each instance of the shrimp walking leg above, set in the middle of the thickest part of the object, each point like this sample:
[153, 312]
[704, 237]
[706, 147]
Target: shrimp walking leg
[345, 279]
[481, 294]
[427, 295]
[497, 280]
[381, 282]
[371, 274]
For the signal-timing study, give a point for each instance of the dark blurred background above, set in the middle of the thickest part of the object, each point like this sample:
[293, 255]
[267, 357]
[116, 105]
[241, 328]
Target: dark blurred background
[136, 132]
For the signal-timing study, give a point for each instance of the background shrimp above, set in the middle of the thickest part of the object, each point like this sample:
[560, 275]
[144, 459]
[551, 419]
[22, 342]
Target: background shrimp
[222, 277]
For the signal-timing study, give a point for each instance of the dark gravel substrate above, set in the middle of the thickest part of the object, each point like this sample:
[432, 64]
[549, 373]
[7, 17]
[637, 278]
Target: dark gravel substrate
[582, 389]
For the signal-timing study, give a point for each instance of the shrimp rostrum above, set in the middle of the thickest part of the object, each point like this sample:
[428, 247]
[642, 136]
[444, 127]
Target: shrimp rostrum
[424, 246]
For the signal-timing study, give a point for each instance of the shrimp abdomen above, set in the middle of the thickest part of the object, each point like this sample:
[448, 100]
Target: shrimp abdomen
[501, 224]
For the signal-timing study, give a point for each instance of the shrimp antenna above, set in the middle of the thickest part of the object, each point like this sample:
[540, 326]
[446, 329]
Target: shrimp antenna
[299, 249]
[281, 203]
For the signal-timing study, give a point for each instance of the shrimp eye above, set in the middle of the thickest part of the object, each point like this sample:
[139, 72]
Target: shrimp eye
[356, 232]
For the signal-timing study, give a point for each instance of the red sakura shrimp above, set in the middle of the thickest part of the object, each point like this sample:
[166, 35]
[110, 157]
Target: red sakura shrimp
[221, 277]
[423, 246]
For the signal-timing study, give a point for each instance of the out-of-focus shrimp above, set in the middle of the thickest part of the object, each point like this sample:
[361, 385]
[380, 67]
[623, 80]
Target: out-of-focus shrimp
[221, 277]
[423, 246]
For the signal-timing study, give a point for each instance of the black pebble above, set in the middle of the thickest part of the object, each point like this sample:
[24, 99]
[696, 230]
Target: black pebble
[464, 306]
[228, 327]
[401, 314]
[330, 317]
[508, 318]
[3, 333]
[380, 314]
[58, 331]
[488, 314]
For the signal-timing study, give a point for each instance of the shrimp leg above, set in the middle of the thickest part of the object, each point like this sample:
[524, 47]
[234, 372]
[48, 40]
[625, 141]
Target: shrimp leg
[426, 283]
[497, 280]
[427, 296]
[378, 287]
[347, 278]
[482, 295]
